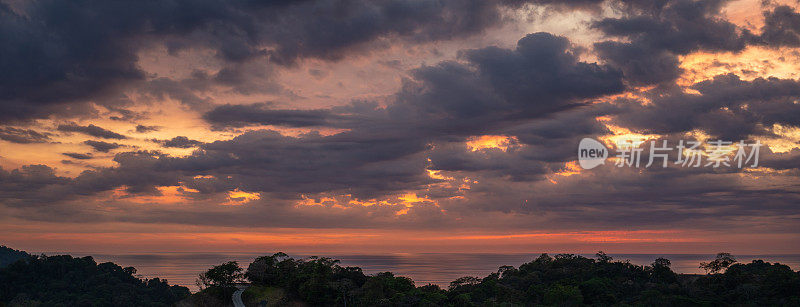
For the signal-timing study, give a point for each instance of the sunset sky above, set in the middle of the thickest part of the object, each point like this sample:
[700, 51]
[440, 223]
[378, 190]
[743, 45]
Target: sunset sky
[394, 126]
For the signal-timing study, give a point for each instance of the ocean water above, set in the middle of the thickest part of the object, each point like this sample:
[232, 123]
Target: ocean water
[423, 268]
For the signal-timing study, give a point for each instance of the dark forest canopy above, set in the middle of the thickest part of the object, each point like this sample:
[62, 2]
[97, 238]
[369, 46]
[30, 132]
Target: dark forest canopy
[9, 255]
[279, 280]
[561, 280]
[67, 281]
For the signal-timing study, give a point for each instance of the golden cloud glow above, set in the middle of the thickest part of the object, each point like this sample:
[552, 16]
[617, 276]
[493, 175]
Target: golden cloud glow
[239, 197]
[748, 64]
[345, 201]
[400, 203]
[502, 142]
[570, 168]
[621, 137]
[437, 175]
[788, 138]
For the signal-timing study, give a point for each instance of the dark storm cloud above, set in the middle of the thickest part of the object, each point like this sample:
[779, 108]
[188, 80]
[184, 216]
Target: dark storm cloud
[138, 171]
[781, 27]
[102, 146]
[38, 185]
[680, 201]
[781, 161]
[543, 70]
[449, 101]
[62, 52]
[23, 136]
[603, 199]
[179, 142]
[267, 161]
[659, 31]
[91, 130]
[539, 147]
[362, 21]
[72, 52]
[256, 161]
[641, 64]
[78, 156]
[512, 164]
[260, 113]
[680, 26]
[609, 196]
[30, 183]
[597, 200]
[726, 107]
[575, 123]
[383, 149]
[496, 86]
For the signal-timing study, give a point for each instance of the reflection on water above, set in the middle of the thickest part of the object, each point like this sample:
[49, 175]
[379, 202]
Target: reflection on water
[423, 268]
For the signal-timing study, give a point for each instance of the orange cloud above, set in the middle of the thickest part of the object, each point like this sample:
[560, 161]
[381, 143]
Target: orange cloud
[239, 197]
[501, 142]
[400, 203]
[167, 195]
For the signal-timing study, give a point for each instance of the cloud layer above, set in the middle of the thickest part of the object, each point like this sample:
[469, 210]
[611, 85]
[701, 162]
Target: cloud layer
[478, 133]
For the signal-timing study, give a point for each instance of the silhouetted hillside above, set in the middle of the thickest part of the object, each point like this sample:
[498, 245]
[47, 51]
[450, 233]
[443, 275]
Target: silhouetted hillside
[9, 255]
[68, 281]
[562, 280]
[279, 280]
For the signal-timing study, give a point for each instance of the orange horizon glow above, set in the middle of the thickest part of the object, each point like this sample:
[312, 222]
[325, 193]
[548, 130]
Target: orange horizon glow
[135, 239]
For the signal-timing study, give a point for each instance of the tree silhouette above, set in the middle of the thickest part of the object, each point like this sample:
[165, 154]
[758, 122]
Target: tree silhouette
[723, 261]
[661, 262]
[603, 257]
[223, 275]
